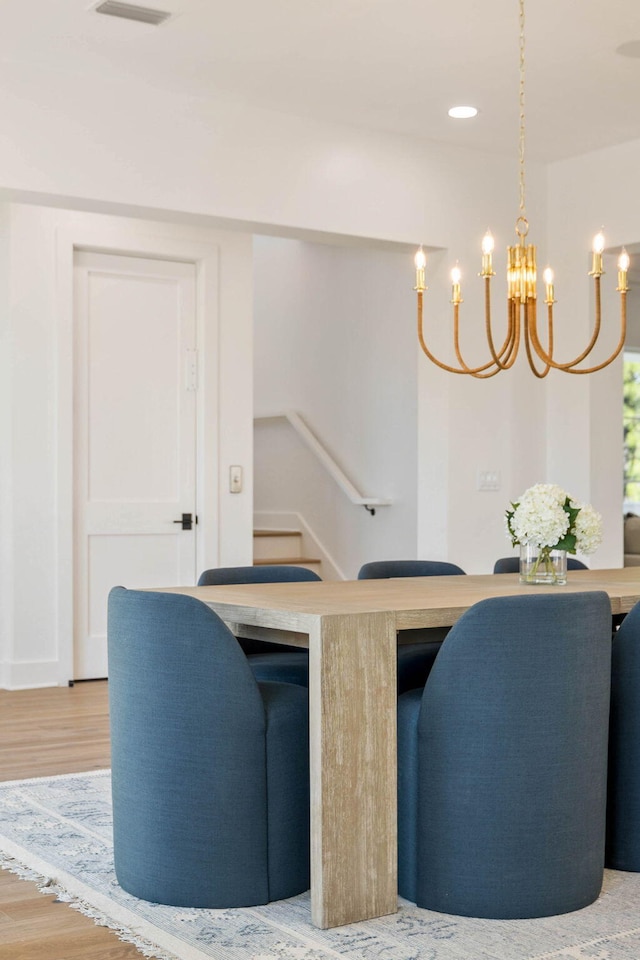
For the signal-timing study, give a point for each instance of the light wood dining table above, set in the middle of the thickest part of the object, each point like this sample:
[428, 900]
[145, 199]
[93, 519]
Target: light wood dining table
[350, 628]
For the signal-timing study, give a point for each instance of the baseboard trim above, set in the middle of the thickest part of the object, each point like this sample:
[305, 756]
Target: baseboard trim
[30, 674]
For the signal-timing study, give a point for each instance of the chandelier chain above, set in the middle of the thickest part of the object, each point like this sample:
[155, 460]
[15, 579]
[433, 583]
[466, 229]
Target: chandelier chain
[522, 116]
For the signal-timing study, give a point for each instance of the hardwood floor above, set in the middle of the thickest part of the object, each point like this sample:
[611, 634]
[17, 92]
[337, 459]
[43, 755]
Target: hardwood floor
[54, 730]
[43, 733]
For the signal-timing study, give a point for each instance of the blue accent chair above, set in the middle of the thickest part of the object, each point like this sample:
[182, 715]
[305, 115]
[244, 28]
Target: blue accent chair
[623, 810]
[502, 761]
[269, 661]
[512, 565]
[386, 569]
[417, 649]
[210, 768]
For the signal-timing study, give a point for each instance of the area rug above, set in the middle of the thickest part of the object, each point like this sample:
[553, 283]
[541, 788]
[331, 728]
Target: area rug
[57, 831]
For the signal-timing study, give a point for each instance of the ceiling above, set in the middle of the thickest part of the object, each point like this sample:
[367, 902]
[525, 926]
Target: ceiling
[388, 65]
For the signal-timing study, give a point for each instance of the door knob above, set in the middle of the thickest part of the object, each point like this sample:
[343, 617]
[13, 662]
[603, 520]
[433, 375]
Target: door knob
[187, 521]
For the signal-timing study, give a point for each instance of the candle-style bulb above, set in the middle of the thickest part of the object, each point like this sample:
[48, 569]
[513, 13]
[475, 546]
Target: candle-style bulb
[597, 265]
[623, 266]
[547, 276]
[420, 261]
[487, 250]
[487, 243]
[456, 295]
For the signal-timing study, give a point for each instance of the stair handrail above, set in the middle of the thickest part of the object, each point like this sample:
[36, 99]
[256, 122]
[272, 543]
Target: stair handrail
[325, 458]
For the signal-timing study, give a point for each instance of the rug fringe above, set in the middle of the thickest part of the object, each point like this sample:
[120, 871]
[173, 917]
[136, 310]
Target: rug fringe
[49, 885]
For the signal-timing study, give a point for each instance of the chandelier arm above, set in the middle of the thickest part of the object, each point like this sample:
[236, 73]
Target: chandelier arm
[425, 349]
[508, 345]
[474, 371]
[532, 324]
[445, 366]
[547, 357]
[569, 367]
[508, 348]
[531, 337]
[486, 376]
[513, 315]
[489, 369]
[507, 356]
[479, 372]
[617, 351]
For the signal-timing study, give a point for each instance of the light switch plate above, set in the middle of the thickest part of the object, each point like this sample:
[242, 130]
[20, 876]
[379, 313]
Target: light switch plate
[488, 480]
[235, 479]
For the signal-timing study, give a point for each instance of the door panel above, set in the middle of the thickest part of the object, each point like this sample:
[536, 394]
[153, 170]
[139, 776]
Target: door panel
[135, 435]
[143, 561]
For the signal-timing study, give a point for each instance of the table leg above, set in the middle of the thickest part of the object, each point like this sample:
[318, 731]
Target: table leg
[352, 689]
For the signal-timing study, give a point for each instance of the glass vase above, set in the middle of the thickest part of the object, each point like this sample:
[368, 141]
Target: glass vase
[542, 564]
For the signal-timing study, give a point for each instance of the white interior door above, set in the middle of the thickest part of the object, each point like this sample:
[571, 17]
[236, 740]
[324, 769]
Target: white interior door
[135, 436]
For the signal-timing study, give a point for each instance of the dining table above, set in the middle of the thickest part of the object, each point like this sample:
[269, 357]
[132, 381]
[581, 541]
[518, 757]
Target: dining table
[351, 630]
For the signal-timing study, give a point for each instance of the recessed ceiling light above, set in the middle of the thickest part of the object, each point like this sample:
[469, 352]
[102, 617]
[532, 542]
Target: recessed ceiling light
[462, 113]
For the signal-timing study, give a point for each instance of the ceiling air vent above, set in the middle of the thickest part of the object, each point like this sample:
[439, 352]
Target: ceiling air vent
[128, 11]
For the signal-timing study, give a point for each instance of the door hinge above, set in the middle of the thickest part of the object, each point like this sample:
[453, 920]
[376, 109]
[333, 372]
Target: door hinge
[191, 370]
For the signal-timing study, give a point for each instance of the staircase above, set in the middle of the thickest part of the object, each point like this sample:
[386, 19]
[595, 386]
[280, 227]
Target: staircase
[282, 546]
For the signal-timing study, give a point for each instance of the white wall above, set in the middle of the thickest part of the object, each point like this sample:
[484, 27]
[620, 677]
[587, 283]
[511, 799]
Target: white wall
[587, 442]
[130, 149]
[468, 425]
[151, 151]
[36, 555]
[334, 342]
[6, 447]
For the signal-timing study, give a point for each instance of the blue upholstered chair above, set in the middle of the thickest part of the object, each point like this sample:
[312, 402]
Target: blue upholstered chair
[623, 809]
[265, 573]
[502, 761]
[417, 649]
[386, 569]
[512, 565]
[210, 768]
[269, 661]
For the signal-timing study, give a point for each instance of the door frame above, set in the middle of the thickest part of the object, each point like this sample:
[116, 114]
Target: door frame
[133, 242]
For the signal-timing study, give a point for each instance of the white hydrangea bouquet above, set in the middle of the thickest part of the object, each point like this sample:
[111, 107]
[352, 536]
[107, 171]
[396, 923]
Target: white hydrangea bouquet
[548, 523]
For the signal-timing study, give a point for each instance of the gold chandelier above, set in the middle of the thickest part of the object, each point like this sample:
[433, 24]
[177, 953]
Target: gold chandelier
[522, 292]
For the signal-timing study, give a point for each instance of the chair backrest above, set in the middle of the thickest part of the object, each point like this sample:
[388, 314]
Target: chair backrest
[185, 709]
[266, 573]
[623, 812]
[512, 739]
[386, 569]
[512, 565]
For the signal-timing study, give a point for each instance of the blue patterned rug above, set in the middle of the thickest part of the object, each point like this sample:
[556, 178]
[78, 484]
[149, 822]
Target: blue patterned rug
[57, 831]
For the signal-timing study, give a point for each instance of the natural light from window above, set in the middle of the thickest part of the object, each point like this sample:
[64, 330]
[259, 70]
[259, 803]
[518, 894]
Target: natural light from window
[631, 427]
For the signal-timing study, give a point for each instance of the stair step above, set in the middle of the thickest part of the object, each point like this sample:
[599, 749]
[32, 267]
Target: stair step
[308, 562]
[282, 547]
[277, 533]
[297, 561]
[279, 544]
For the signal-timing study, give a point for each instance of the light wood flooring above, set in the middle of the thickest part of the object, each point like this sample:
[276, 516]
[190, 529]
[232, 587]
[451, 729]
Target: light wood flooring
[42, 733]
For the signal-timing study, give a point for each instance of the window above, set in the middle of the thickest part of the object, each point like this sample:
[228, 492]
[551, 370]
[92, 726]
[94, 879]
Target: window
[631, 425]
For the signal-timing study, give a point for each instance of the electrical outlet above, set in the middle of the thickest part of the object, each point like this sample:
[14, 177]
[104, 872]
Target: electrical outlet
[235, 479]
